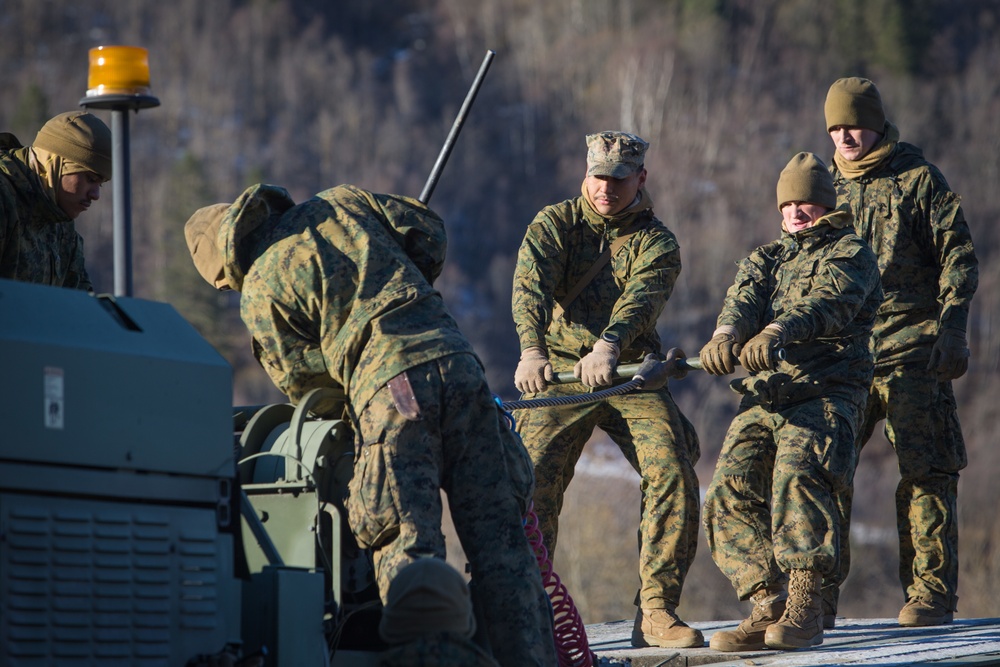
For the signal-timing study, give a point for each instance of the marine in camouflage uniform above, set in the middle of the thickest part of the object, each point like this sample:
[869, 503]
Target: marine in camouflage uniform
[771, 508]
[337, 294]
[38, 238]
[612, 318]
[903, 207]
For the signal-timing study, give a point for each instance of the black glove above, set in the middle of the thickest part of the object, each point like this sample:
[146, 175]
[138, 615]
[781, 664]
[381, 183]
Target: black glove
[950, 355]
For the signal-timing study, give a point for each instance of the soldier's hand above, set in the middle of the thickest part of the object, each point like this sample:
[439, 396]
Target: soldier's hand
[761, 352]
[597, 368]
[533, 371]
[718, 356]
[950, 355]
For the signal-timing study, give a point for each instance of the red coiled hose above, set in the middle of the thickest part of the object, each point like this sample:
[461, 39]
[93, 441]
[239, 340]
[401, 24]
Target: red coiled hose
[570, 634]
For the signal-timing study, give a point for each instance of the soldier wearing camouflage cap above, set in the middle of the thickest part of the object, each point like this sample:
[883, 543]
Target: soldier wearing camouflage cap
[44, 187]
[337, 293]
[771, 510]
[904, 207]
[593, 275]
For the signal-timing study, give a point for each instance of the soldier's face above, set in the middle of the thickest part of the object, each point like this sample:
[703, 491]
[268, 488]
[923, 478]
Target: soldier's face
[799, 215]
[77, 191]
[613, 195]
[853, 143]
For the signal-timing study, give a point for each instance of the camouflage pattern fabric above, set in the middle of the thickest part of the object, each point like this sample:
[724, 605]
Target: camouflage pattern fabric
[772, 504]
[360, 314]
[333, 299]
[822, 286]
[441, 650]
[914, 222]
[455, 444]
[38, 241]
[658, 442]
[625, 299]
[788, 458]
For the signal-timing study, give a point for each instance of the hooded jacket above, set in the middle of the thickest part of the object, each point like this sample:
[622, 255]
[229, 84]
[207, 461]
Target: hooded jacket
[337, 291]
[38, 241]
[822, 286]
[914, 222]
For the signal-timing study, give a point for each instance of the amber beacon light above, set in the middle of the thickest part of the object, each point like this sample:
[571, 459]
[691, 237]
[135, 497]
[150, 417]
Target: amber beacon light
[118, 80]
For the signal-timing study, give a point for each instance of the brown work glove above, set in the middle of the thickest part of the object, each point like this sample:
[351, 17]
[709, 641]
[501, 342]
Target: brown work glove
[533, 371]
[597, 368]
[761, 352]
[718, 356]
[950, 355]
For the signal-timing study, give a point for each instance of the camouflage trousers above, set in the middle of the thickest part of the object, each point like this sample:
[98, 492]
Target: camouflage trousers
[921, 424]
[772, 504]
[659, 443]
[458, 441]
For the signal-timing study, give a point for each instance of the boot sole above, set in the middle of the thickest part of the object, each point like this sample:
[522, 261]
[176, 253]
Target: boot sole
[789, 646]
[923, 621]
[645, 641]
[724, 646]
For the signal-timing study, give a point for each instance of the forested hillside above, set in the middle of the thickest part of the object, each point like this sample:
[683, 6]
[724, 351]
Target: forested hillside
[312, 93]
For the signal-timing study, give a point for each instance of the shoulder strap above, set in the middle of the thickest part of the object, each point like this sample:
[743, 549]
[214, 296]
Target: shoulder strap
[561, 306]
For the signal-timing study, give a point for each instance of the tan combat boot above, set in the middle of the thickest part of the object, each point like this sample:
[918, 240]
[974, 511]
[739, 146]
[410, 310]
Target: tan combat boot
[917, 612]
[801, 625]
[768, 606]
[661, 627]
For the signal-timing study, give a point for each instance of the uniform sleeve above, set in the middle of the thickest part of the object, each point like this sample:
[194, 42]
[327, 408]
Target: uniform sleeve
[747, 300]
[540, 261]
[955, 255]
[844, 282]
[651, 278]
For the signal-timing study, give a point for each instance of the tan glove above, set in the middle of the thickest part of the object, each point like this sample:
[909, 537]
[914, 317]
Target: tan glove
[761, 352]
[718, 356]
[950, 355]
[533, 371]
[597, 368]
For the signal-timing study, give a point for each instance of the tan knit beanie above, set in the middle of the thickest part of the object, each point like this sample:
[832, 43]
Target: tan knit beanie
[202, 234]
[854, 102]
[806, 179]
[79, 137]
[428, 596]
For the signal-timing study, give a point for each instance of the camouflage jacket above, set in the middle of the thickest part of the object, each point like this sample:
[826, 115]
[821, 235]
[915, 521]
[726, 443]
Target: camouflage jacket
[38, 242]
[914, 223]
[822, 286]
[625, 298]
[337, 291]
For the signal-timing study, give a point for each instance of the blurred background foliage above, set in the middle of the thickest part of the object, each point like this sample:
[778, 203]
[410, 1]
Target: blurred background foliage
[308, 94]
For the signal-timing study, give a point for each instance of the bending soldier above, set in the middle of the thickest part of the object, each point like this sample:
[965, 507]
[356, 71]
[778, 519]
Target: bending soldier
[337, 293]
[44, 187]
[771, 512]
[593, 275]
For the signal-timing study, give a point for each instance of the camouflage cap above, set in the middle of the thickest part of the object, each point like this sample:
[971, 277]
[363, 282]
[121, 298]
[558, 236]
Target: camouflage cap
[615, 154]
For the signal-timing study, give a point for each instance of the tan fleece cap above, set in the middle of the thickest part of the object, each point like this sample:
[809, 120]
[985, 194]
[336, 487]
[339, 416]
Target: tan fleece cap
[80, 137]
[426, 597]
[854, 102]
[202, 234]
[806, 179]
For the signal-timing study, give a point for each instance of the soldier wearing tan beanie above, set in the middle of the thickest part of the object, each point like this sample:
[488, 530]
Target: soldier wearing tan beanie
[43, 189]
[904, 208]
